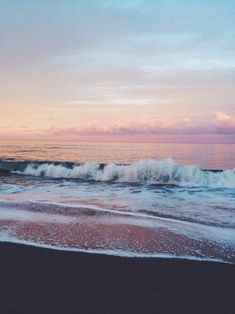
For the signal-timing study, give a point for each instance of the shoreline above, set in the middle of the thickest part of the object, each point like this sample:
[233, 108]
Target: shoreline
[41, 280]
[119, 254]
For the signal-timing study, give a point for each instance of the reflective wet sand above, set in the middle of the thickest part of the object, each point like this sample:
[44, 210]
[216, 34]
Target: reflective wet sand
[104, 232]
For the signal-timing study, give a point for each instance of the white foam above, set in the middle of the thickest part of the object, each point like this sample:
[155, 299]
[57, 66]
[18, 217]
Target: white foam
[10, 188]
[150, 171]
[26, 216]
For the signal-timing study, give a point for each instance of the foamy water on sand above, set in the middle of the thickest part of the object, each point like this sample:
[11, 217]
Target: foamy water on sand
[145, 208]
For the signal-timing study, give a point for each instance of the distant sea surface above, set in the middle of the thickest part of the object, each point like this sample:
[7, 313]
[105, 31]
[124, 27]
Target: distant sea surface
[208, 156]
[126, 199]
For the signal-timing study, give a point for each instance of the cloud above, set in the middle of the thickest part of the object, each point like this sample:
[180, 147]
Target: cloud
[226, 123]
[116, 60]
[220, 123]
[216, 128]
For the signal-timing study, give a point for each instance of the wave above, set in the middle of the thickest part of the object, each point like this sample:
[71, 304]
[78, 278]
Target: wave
[165, 171]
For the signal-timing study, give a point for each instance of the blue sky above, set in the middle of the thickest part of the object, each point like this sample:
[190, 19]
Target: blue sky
[123, 64]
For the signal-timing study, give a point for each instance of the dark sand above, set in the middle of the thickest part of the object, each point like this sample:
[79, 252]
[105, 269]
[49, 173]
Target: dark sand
[35, 280]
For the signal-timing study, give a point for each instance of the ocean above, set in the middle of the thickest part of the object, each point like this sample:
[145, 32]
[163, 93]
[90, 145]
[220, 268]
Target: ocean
[125, 199]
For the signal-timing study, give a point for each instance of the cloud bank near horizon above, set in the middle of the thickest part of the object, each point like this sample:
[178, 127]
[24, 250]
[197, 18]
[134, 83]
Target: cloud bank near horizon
[221, 123]
[219, 128]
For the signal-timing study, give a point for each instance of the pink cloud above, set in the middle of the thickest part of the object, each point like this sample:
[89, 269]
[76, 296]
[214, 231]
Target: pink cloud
[226, 123]
[220, 123]
[216, 128]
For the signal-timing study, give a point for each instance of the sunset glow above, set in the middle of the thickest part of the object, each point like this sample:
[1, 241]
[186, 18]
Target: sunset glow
[118, 70]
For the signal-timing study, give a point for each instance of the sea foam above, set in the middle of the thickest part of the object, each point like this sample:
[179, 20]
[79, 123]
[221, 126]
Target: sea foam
[146, 171]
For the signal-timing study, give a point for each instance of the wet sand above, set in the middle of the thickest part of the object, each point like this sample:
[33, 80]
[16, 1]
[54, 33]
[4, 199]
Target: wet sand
[93, 230]
[37, 280]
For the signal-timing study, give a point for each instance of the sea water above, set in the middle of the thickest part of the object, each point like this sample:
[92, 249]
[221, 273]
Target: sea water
[168, 200]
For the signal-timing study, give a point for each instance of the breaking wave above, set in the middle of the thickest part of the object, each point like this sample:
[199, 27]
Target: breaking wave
[146, 171]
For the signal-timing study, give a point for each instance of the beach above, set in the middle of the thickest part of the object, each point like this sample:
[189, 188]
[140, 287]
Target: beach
[143, 236]
[40, 280]
[117, 157]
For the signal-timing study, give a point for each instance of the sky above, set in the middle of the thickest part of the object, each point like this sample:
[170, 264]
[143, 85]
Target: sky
[118, 70]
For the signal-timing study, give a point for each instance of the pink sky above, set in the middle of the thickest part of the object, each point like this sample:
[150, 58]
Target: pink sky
[118, 71]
